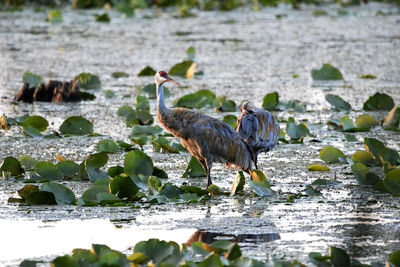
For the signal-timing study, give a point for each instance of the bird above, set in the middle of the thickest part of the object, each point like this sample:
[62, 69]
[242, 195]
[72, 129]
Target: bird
[208, 139]
[258, 128]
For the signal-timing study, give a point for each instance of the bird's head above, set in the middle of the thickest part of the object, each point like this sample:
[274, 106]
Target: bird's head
[247, 106]
[162, 77]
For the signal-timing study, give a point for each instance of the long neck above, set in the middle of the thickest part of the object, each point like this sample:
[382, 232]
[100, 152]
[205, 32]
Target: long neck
[161, 107]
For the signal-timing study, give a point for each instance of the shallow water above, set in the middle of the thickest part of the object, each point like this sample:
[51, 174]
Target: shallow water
[243, 55]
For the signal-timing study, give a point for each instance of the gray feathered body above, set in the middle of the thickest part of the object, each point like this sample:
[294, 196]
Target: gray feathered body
[259, 129]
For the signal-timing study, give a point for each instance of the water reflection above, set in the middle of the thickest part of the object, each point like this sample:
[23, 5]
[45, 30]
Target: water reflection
[209, 237]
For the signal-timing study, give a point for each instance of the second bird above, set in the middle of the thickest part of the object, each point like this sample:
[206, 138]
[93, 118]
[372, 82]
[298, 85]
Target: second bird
[258, 128]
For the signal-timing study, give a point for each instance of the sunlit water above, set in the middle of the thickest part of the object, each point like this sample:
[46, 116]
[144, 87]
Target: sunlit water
[243, 55]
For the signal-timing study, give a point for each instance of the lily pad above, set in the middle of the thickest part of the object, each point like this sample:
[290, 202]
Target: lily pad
[363, 157]
[261, 188]
[317, 167]
[27, 162]
[194, 169]
[119, 74]
[310, 191]
[32, 79]
[62, 194]
[41, 198]
[106, 198]
[238, 183]
[115, 170]
[366, 121]
[347, 124]
[137, 162]
[138, 130]
[48, 171]
[11, 165]
[124, 110]
[142, 103]
[380, 153]
[93, 164]
[215, 190]
[88, 80]
[76, 125]
[170, 191]
[327, 72]
[90, 195]
[270, 101]
[147, 71]
[191, 53]
[367, 76]
[162, 145]
[54, 16]
[379, 101]
[363, 175]
[260, 176]
[230, 120]
[183, 69]
[107, 145]
[102, 17]
[125, 9]
[392, 181]
[85, 96]
[296, 131]
[330, 154]
[109, 94]
[339, 257]
[350, 138]
[394, 258]
[224, 105]
[157, 251]
[123, 186]
[392, 119]
[198, 99]
[150, 90]
[159, 173]
[27, 190]
[31, 131]
[337, 102]
[68, 168]
[37, 122]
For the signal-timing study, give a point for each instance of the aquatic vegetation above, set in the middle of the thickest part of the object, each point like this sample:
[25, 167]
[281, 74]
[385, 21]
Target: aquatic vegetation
[147, 71]
[76, 125]
[327, 72]
[270, 101]
[88, 80]
[337, 102]
[379, 101]
[330, 154]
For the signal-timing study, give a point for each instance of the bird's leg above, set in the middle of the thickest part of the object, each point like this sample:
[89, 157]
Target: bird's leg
[255, 161]
[206, 168]
[208, 171]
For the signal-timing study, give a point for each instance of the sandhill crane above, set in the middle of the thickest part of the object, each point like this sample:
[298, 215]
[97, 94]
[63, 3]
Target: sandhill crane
[207, 138]
[258, 128]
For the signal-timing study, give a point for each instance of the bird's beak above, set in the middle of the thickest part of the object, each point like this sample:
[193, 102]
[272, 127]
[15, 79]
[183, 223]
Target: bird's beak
[171, 80]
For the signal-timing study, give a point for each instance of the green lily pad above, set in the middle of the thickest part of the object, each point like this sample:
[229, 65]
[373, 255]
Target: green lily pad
[310, 191]
[124, 110]
[347, 124]
[107, 145]
[170, 191]
[294, 105]
[321, 181]
[350, 138]
[394, 258]
[90, 195]
[191, 53]
[27, 162]
[88, 80]
[339, 257]
[317, 167]
[106, 198]
[367, 76]
[224, 105]
[48, 170]
[38, 122]
[392, 181]
[363, 157]
[137, 162]
[140, 118]
[327, 72]
[123, 186]
[366, 121]
[93, 164]
[230, 120]
[198, 99]
[260, 176]
[190, 198]
[162, 145]
[270, 101]
[158, 251]
[182, 69]
[379, 101]
[142, 103]
[194, 169]
[138, 130]
[102, 17]
[68, 168]
[54, 16]
[76, 125]
[115, 170]
[330, 154]
[392, 119]
[319, 12]
[337, 102]
[125, 9]
[31, 131]
[261, 188]
[11, 165]
[238, 183]
[363, 175]
[85, 96]
[215, 190]
[119, 74]
[380, 153]
[159, 173]
[296, 131]
[147, 71]
[150, 90]
[27, 190]
[62, 194]
[32, 79]
[41, 198]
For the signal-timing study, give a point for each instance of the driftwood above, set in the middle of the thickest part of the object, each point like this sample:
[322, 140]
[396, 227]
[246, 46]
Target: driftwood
[52, 91]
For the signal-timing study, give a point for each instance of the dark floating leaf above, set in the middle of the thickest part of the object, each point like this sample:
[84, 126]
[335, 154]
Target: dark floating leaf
[90, 195]
[93, 164]
[297, 131]
[379, 101]
[31, 131]
[88, 80]
[27, 162]
[157, 251]
[62, 194]
[194, 169]
[85, 96]
[196, 100]
[31, 79]
[107, 145]
[363, 175]
[380, 153]
[137, 162]
[224, 105]
[48, 171]
[54, 16]
[147, 71]
[327, 72]
[124, 187]
[337, 102]
[366, 121]
[295, 105]
[394, 258]
[230, 120]
[160, 173]
[270, 101]
[321, 181]
[238, 183]
[37, 122]
[11, 165]
[392, 119]
[330, 154]
[367, 76]
[392, 181]
[41, 198]
[317, 167]
[139, 130]
[183, 69]
[339, 257]
[124, 110]
[76, 125]
[102, 17]
[350, 138]
[312, 191]
[363, 157]
[119, 74]
[68, 168]
[115, 170]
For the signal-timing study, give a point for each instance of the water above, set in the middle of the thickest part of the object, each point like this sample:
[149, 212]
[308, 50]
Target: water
[243, 55]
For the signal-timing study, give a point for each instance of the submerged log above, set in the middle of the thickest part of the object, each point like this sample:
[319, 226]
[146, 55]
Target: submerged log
[52, 91]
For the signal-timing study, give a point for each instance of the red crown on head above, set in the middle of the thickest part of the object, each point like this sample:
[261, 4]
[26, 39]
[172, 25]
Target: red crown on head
[163, 74]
